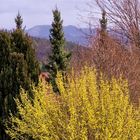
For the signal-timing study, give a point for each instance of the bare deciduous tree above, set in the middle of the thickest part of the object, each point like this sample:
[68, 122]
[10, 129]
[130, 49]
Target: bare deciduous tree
[125, 15]
[115, 60]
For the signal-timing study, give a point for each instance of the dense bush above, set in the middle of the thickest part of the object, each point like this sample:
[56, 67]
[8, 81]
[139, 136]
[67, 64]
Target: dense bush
[86, 109]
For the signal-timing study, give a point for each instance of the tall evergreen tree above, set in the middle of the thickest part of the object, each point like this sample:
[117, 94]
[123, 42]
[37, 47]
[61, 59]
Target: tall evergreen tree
[59, 59]
[18, 21]
[22, 43]
[5, 79]
[103, 29]
[19, 73]
[103, 21]
[19, 68]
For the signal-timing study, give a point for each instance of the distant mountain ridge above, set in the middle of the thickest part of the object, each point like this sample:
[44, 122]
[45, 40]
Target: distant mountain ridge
[72, 33]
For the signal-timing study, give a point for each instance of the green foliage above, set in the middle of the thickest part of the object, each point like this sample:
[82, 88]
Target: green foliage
[18, 21]
[59, 59]
[19, 73]
[103, 22]
[22, 43]
[103, 30]
[5, 77]
[5, 71]
[83, 111]
[19, 68]
[4, 49]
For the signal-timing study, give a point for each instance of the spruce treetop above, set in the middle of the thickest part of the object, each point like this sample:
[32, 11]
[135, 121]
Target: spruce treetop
[56, 33]
[18, 21]
[103, 21]
[59, 58]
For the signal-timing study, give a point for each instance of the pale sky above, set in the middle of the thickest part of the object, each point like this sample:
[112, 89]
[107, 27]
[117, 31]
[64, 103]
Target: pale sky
[39, 12]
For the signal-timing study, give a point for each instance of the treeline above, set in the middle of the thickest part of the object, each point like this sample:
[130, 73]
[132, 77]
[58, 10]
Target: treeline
[115, 50]
[18, 68]
[96, 102]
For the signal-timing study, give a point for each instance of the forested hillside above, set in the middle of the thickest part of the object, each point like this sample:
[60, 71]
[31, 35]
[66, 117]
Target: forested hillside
[43, 48]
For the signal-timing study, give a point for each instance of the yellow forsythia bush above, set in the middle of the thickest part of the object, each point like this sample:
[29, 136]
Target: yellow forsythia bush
[86, 109]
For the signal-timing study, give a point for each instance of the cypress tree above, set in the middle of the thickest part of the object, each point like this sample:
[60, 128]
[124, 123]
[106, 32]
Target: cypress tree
[13, 75]
[103, 22]
[5, 79]
[103, 26]
[59, 58]
[18, 21]
[4, 49]
[19, 73]
[18, 69]
[22, 43]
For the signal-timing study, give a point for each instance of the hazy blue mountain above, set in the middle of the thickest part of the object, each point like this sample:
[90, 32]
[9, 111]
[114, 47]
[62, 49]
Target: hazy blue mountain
[72, 33]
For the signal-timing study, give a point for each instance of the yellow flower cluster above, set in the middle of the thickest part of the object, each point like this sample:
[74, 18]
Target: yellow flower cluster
[88, 108]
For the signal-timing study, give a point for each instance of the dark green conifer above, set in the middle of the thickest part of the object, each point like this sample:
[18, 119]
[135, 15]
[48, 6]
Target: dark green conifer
[103, 29]
[18, 21]
[18, 68]
[103, 22]
[59, 58]
[5, 79]
[22, 43]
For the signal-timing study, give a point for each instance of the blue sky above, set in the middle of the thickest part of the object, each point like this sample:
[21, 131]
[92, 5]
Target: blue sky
[39, 12]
